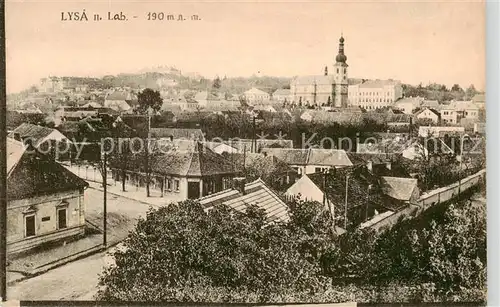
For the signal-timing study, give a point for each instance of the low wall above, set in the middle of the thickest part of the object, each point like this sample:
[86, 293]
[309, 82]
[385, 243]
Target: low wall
[429, 199]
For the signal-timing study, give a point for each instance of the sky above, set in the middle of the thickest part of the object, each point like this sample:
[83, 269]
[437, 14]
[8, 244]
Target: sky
[415, 42]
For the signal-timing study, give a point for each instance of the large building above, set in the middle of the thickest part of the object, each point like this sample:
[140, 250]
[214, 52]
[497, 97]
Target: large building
[375, 94]
[326, 89]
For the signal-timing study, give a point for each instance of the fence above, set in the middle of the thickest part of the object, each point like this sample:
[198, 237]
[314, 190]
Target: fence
[88, 172]
[430, 199]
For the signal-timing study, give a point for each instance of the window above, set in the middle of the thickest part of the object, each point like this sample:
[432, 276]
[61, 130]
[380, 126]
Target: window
[345, 71]
[176, 185]
[337, 70]
[29, 225]
[61, 218]
[169, 184]
[317, 170]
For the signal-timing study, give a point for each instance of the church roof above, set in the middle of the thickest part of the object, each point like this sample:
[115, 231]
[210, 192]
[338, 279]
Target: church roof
[311, 79]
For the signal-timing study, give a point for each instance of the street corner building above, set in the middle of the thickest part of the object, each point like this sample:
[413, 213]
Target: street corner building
[45, 202]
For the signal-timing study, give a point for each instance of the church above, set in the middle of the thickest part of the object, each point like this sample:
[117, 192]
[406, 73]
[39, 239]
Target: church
[327, 89]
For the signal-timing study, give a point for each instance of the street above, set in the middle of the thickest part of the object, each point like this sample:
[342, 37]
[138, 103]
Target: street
[73, 281]
[78, 280]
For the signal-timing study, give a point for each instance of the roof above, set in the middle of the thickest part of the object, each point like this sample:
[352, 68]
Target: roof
[282, 91]
[35, 132]
[314, 156]
[15, 150]
[378, 83]
[437, 113]
[329, 157]
[264, 163]
[177, 133]
[430, 104]
[398, 188]
[255, 91]
[364, 158]
[188, 159]
[293, 156]
[256, 193]
[31, 174]
[313, 79]
[118, 95]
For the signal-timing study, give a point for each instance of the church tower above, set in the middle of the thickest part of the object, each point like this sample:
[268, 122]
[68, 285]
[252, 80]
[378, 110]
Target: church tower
[340, 86]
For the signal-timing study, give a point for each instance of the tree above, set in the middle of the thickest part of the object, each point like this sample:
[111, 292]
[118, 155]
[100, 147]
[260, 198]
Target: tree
[217, 83]
[180, 248]
[470, 92]
[149, 98]
[456, 88]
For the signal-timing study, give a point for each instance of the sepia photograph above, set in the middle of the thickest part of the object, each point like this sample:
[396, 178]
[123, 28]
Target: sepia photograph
[264, 152]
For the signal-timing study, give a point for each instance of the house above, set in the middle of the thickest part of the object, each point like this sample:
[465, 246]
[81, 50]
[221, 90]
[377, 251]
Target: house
[275, 172]
[45, 201]
[180, 170]
[311, 160]
[457, 110]
[282, 95]
[120, 101]
[425, 147]
[177, 133]
[254, 95]
[364, 196]
[245, 194]
[428, 113]
[408, 104]
[38, 135]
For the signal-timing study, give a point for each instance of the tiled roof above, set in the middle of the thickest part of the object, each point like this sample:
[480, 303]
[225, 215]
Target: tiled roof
[31, 174]
[35, 132]
[437, 113]
[193, 160]
[267, 163]
[398, 188]
[256, 193]
[430, 104]
[364, 158]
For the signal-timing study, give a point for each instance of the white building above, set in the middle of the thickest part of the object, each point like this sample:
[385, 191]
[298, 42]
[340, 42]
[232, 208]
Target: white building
[375, 94]
[254, 95]
[408, 104]
[429, 113]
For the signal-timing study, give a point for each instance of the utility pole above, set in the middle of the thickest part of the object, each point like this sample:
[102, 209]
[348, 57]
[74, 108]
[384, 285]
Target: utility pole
[147, 152]
[367, 202]
[105, 209]
[345, 210]
[254, 141]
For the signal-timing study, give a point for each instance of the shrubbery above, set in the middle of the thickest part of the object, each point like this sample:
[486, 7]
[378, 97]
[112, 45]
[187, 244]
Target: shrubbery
[183, 253]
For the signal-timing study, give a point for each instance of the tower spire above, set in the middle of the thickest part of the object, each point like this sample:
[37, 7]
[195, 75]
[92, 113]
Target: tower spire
[341, 57]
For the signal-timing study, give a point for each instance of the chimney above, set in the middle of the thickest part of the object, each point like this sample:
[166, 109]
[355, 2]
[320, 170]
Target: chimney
[388, 165]
[369, 165]
[239, 184]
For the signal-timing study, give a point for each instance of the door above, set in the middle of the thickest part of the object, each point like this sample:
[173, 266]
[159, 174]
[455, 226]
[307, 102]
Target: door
[30, 225]
[61, 218]
[193, 190]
